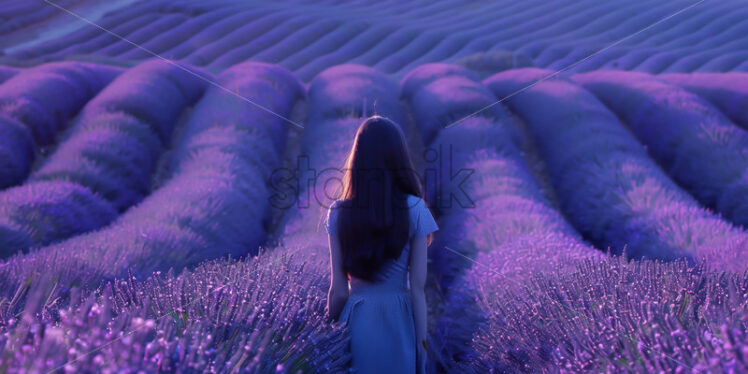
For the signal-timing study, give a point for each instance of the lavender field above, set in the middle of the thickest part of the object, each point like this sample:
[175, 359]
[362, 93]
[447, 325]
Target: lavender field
[166, 166]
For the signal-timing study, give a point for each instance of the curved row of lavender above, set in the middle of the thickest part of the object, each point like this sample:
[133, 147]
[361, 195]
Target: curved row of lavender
[526, 303]
[214, 203]
[612, 316]
[691, 139]
[18, 14]
[339, 99]
[690, 39]
[394, 37]
[224, 315]
[503, 222]
[260, 315]
[643, 314]
[726, 91]
[105, 162]
[258, 299]
[608, 186]
[7, 72]
[35, 106]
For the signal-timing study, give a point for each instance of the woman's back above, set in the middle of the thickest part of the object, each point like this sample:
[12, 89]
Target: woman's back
[379, 313]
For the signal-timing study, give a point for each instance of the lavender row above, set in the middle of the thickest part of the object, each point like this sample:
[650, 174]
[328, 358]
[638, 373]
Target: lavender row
[7, 72]
[448, 44]
[270, 317]
[726, 91]
[692, 140]
[306, 27]
[89, 40]
[504, 212]
[17, 151]
[139, 24]
[611, 315]
[42, 99]
[260, 315]
[608, 186]
[216, 36]
[395, 38]
[332, 122]
[169, 41]
[286, 39]
[331, 125]
[111, 21]
[112, 151]
[17, 15]
[417, 32]
[479, 148]
[442, 94]
[214, 203]
[119, 136]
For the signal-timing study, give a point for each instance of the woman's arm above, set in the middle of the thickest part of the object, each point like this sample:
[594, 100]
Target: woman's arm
[417, 285]
[338, 293]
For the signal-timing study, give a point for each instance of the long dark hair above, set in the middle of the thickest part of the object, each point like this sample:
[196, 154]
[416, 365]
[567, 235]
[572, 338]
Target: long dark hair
[373, 219]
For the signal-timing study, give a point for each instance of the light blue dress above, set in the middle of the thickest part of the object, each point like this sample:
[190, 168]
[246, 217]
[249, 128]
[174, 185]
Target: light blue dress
[379, 314]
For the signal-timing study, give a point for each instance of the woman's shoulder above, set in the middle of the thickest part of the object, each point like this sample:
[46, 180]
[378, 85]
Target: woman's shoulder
[414, 200]
[336, 203]
[415, 205]
[331, 216]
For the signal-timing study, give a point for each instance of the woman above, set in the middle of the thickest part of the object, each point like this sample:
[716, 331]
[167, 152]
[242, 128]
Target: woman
[378, 233]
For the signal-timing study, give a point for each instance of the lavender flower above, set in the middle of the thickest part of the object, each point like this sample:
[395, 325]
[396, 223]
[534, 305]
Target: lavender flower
[691, 139]
[608, 185]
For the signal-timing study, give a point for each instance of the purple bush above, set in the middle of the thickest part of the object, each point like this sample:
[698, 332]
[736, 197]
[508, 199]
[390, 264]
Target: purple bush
[726, 91]
[7, 72]
[553, 35]
[395, 62]
[108, 21]
[166, 22]
[293, 33]
[260, 315]
[421, 77]
[101, 41]
[176, 36]
[17, 15]
[222, 37]
[608, 186]
[217, 33]
[506, 214]
[270, 316]
[43, 99]
[246, 41]
[114, 156]
[362, 93]
[692, 140]
[356, 46]
[16, 151]
[391, 43]
[214, 203]
[329, 42]
[154, 91]
[108, 150]
[265, 86]
[46, 212]
[512, 288]
[610, 315]
[119, 136]
[440, 94]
